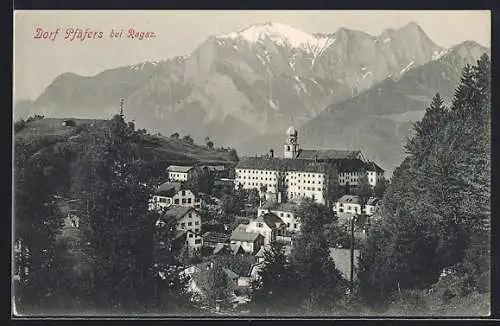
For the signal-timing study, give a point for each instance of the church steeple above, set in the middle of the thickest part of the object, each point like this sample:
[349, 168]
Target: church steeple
[291, 147]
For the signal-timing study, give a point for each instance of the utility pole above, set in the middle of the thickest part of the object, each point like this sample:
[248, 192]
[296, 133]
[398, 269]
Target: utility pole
[121, 107]
[352, 254]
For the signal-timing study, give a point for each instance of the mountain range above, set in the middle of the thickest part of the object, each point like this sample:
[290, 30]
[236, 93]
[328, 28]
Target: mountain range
[346, 89]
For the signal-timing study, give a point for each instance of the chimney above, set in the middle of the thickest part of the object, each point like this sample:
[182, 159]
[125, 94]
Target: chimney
[271, 153]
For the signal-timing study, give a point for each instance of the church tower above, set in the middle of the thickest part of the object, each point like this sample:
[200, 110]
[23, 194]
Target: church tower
[291, 148]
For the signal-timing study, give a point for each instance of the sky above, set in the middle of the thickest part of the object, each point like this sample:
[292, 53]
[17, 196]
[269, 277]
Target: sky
[37, 61]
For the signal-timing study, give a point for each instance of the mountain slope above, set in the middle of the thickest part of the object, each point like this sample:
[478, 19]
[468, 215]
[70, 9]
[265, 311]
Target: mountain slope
[237, 86]
[45, 132]
[379, 120]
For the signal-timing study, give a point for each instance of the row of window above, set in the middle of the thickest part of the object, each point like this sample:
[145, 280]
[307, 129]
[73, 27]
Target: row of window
[292, 174]
[309, 188]
[183, 225]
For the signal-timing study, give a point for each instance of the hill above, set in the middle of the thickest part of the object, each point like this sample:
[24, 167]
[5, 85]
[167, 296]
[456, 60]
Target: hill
[41, 133]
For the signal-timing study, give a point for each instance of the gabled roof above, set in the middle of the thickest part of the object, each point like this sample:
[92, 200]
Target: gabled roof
[215, 237]
[270, 219]
[327, 154]
[244, 236]
[177, 212]
[372, 166]
[349, 199]
[168, 188]
[282, 207]
[179, 168]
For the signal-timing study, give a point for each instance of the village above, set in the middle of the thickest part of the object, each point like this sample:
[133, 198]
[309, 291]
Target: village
[245, 208]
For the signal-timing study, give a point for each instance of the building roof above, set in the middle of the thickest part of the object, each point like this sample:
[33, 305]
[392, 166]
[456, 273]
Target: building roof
[280, 164]
[282, 207]
[238, 235]
[179, 168]
[178, 212]
[168, 188]
[215, 237]
[270, 219]
[349, 199]
[261, 252]
[372, 201]
[372, 166]
[214, 167]
[328, 154]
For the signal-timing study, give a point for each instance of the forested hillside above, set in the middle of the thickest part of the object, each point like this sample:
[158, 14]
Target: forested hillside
[429, 251]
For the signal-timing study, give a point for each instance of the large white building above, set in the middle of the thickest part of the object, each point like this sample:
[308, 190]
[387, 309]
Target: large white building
[180, 173]
[305, 172]
[297, 179]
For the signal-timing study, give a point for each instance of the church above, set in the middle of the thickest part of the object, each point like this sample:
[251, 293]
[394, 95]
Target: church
[304, 173]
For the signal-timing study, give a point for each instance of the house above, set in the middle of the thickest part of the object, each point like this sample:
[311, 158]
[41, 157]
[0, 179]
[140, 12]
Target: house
[371, 206]
[347, 206]
[187, 219]
[180, 173]
[172, 193]
[250, 242]
[269, 225]
[285, 211]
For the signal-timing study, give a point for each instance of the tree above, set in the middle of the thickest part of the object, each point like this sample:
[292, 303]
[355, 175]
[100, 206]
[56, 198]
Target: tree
[274, 291]
[115, 219]
[364, 190]
[438, 203]
[175, 135]
[188, 139]
[219, 291]
[380, 187]
[233, 155]
[319, 282]
[38, 221]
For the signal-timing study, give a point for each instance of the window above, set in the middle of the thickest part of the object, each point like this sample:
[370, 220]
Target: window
[176, 201]
[183, 225]
[190, 235]
[281, 214]
[197, 223]
[288, 225]
[189, 200]
[287, 215]
[184, 192]
[190, 223]
[163, 200]
[197, 230]
[259, 225]
[295, 225]
[183, 200]
[197, 241]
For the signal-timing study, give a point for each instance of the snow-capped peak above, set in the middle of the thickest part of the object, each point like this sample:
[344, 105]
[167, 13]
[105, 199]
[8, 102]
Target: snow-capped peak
[281, 34]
